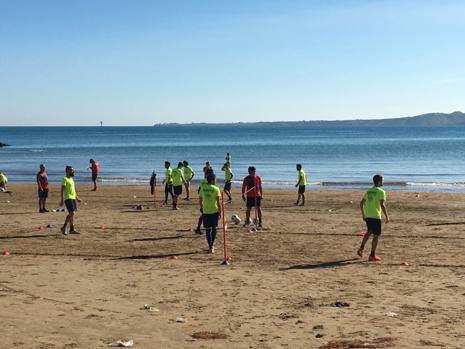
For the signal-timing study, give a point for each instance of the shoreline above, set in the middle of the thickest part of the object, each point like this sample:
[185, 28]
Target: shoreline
[236, 185]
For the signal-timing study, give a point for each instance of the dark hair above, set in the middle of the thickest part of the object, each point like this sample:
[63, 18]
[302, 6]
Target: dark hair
[167, 163]
[185, 163]
[377, 178]
[210, 177]
[68, 167]
[298, 165]
[179, 164]
[251, 169]
[91, 160]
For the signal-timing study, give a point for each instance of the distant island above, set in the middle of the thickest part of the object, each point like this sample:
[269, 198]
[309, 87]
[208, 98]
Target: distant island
[456, 118]
[4, 145]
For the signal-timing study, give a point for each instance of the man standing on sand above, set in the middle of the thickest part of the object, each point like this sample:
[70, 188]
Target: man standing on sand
[94, 166]
[153, 185]
[207, 169]
[209, 197]
[178, 181]
[168, 182]
[42, 188]
[228, 175]
[252, 187]
[188, 175]
[69, 197]
[372, 204]
[301, 183]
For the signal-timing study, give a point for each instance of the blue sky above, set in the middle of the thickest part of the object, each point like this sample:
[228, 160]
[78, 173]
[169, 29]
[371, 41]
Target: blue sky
[140, 62]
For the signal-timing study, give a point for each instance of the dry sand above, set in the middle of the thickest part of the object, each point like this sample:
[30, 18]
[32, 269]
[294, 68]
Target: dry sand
[87, 290]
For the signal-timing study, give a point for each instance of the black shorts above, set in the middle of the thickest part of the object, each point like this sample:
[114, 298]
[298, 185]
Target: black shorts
[373, 226]
[251, 202]
[227, 186]
[71, 205]
[43, 193]
[168, 188]
[210, 220]
[94, 177]
[177, 189]
[301, 189]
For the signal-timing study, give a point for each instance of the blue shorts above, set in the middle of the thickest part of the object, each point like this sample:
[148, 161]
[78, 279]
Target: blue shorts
[301, 189]
[373, 226]
[43, 193]
[71, 205]
[227, 186]
[251, 202]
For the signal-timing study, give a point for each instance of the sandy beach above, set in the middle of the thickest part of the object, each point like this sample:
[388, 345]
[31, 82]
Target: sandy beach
[88, 290]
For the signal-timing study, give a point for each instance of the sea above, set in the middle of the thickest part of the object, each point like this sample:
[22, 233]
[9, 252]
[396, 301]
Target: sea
[333, 157]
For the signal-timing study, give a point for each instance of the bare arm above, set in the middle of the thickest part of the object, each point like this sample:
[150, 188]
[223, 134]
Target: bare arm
[362, 203]
[383, 207]
[62, 196]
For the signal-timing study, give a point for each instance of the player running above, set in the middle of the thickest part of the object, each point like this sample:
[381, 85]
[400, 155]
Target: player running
[228, 175]
[371, 205]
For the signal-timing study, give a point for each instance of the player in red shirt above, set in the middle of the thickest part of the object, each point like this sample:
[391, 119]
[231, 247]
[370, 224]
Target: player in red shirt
[252, 188]
[42, 186]
[94, 166]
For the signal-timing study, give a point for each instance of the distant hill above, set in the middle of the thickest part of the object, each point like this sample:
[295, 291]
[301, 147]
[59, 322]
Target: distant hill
[431, 119]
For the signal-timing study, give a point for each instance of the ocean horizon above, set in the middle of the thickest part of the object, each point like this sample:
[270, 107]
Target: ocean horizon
[335, 157]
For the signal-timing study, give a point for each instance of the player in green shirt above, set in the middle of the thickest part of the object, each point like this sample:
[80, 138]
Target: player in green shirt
[188, 175]
[371, 206]
[3, 182]
[69, 197]
[228, 175]
[178, 181]
[200, 220]
[168, 182]
[209, 197]
[301, 183]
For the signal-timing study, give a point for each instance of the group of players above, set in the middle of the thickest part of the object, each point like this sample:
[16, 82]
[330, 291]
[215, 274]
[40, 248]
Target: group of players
[372, 204]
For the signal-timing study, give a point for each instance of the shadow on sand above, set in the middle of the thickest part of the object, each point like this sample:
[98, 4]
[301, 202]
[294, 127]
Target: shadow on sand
[26, 236]
[324, 265]
[158, 256]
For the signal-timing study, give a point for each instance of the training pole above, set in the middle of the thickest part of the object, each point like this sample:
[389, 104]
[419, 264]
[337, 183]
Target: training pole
[223, 219]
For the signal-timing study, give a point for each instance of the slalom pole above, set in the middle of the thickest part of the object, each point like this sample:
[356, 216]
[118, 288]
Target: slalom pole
[225, 227]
